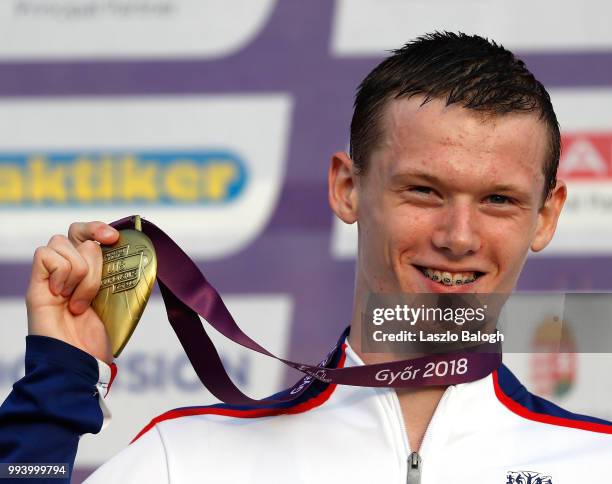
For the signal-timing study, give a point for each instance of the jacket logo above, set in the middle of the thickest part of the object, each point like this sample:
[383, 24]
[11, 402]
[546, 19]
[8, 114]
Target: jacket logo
[527, 477]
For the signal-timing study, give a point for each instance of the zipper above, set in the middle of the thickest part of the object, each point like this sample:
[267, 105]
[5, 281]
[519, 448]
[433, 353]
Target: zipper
[413, 473]
[415, 463]
[414, 469]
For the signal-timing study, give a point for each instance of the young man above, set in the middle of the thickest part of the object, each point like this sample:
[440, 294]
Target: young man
[451, 180]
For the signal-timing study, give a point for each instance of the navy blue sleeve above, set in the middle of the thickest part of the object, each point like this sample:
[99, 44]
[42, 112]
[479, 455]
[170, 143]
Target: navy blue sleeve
[51, 406]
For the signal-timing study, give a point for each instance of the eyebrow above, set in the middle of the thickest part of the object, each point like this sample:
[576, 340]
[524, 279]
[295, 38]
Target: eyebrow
[402, 177]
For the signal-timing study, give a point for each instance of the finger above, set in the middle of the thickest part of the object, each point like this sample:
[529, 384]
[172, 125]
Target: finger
[79, 232]
[88, 287]
[51, 266]
[78, 265]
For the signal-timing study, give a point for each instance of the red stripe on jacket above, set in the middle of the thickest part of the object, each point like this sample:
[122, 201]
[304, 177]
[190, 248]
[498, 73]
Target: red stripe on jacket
[250, 413]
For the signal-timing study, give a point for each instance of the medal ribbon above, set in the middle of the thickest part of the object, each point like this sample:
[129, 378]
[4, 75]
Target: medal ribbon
[187, 294]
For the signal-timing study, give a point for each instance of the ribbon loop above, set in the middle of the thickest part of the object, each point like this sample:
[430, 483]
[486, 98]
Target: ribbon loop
[187, 295]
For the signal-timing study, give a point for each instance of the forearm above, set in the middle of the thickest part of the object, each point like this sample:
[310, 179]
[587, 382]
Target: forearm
[52, 405]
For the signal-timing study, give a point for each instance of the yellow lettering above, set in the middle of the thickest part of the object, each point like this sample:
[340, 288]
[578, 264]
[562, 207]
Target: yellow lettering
[93, 180]
[138, 180]
[105, 180]
[216, 179]
[181, 181]
[84, 179]
[11, 183]
[83, 189]
[46, 183]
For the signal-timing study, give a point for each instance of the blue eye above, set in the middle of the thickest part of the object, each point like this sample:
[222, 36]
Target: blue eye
[421, 189]
[498, 199]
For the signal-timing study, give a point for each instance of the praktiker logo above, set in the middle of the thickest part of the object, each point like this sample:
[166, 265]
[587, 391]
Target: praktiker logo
[121, 178]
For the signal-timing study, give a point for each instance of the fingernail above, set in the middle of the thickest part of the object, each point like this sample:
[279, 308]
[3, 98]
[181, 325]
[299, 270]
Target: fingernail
[108, 232]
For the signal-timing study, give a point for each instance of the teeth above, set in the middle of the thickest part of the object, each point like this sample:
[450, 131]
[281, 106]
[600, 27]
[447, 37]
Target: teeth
[449, 278]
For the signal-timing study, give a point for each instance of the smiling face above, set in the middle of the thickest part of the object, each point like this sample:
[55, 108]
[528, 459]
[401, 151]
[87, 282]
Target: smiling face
[448, 194]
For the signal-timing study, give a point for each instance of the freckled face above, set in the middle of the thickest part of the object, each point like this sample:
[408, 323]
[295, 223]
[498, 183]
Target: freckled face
[449, 189]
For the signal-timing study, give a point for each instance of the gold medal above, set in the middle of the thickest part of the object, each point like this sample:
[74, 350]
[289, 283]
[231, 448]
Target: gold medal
[129, 268]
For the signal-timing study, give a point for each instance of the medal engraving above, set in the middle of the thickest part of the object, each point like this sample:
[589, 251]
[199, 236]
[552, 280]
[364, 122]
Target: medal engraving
[129, 268]
[123, 272]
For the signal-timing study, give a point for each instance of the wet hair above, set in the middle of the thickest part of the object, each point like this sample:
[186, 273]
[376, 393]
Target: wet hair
[466, 69]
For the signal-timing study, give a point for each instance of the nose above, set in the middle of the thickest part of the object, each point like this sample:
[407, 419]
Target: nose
[458, 233]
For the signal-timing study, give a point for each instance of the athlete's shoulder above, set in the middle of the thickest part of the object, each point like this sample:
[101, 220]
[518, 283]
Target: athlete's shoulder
[316, 394]
[516, 398]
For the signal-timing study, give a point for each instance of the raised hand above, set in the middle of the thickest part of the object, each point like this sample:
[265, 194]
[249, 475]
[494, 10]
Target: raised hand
[65, 279]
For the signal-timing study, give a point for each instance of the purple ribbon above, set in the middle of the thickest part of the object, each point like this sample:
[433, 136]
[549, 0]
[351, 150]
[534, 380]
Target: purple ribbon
[187, 294]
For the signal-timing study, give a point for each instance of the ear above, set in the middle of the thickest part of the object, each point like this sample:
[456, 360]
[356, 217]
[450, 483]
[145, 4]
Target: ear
[548, 217]
[342, 187]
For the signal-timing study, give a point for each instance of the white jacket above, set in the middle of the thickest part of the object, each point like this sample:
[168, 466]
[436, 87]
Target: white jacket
[489, 431]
